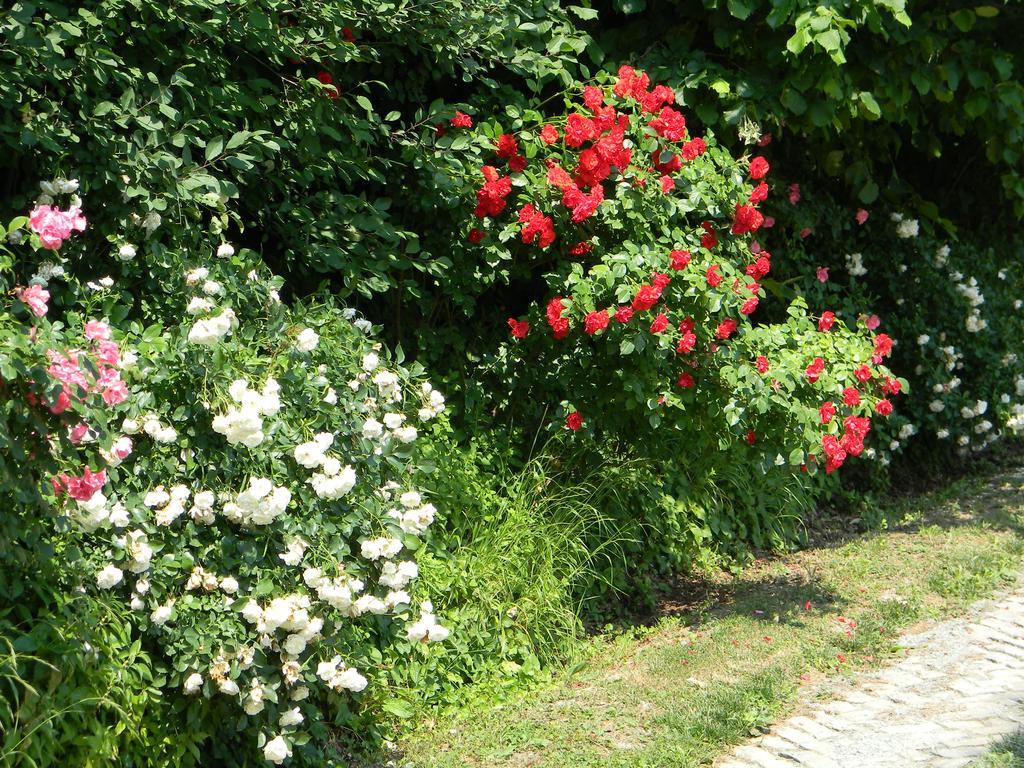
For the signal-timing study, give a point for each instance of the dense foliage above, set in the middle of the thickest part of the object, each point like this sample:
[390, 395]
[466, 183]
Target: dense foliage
[665, 303]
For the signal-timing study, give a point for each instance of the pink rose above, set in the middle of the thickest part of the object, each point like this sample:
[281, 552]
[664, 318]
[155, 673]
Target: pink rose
[822, 274]
[108, 352]
[78, 432]
[794, 193]
[805, 232]
[53, 225]
[35, 298]
[862, 216]
[122, 447]
[97, 331]
[873, 322]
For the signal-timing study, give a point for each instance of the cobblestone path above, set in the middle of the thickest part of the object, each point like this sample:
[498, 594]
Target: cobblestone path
[959, 690]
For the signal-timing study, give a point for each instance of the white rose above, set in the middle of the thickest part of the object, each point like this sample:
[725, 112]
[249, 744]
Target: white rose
[126, 252]
[277, 750]
[109, 577]
[290, 717]
[307, 340]
[370, 362]
[193, 683]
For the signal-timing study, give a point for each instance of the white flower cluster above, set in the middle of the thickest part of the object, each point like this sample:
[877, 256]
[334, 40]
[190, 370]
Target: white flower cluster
[207, 331]
[905, 228]
[426, 629]
[259, 504]
[332, 481]
[243, 423]
[855, 265]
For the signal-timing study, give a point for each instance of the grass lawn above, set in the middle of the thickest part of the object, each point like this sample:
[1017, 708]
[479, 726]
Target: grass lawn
[732, 654]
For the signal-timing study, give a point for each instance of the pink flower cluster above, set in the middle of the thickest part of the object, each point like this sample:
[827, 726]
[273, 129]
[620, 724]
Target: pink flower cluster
[81, 488]
[66, 369]
[54, 226]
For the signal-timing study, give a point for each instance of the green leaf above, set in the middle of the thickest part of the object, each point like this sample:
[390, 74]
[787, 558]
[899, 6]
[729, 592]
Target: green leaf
[214, 147]
[867, 100]
[741, 9]
[798, 41]
[364, 102]
[794, 101]
[584, 13]
[963, 19]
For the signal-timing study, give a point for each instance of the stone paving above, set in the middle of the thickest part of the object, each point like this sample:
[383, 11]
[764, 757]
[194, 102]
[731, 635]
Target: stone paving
[959, 690]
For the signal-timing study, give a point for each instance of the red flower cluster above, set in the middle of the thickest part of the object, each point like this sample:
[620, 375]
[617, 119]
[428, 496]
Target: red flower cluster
[536, 226]
[490, 198]
[462, 120]
[855, 429]
[559, 325]
[679, 259]
[828, 319]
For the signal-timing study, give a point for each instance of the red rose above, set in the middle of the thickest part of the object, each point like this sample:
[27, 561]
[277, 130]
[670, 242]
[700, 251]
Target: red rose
[686, 381]
[851, 396]
[827, 412]
[348, 35]
[462, 120]
[725, 329]
[708, 240]
[660, 323]
[883, 407]
[549, 134]
[751, 436]
[758, 194]
[748, 306]
[559, 178]
[694, 149]
[595, 321]
[581, 248]
[506, 146]
[712, 276]
[686, 342]
[660, 280]
[883, 345]
[815, 369]
[475, 236]
[746, 219]
[667, 184]
[574, 421]
[519, 328]
[762, 364]
[828, 319]
[593, 97]
[863, 373]
[679, 259]
[891, 386]
[759, 168]
[578, 129]
[669, 124]
[623, 314]
[646, 297]
[517, 164]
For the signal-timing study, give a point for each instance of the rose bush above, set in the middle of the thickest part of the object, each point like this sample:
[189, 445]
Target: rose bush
[249, 488]
[647, 231]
